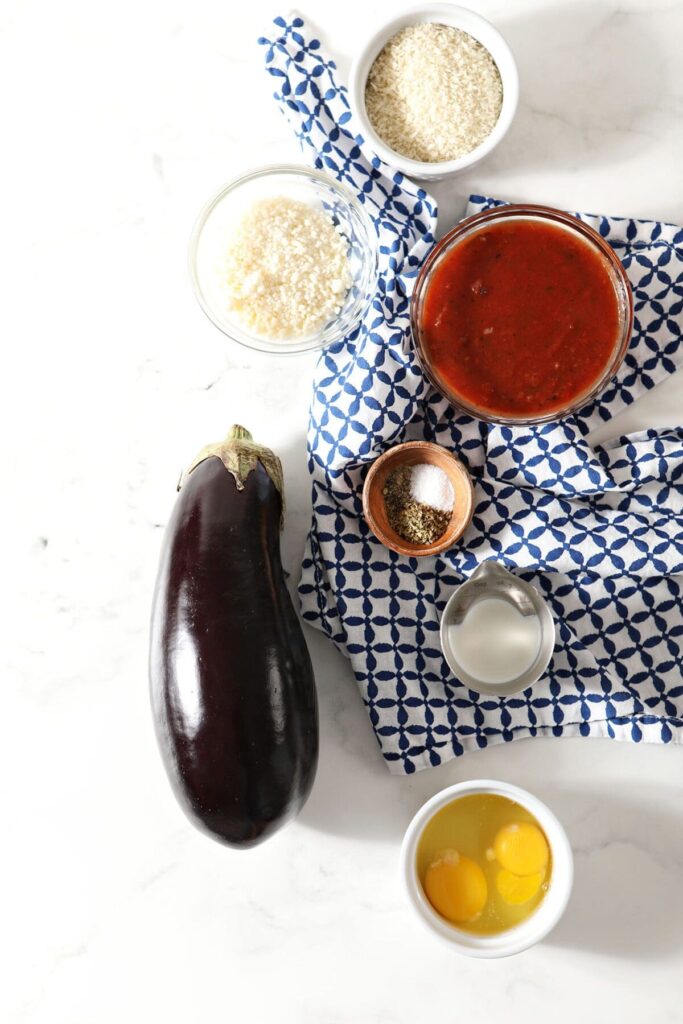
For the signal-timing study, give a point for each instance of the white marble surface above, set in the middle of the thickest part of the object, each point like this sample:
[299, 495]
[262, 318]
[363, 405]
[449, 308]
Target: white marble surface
[118, 122]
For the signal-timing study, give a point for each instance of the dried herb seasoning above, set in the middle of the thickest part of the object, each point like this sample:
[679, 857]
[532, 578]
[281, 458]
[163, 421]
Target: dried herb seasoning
[413, 521]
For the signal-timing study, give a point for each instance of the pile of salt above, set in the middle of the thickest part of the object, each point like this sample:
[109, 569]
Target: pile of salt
[430, 486]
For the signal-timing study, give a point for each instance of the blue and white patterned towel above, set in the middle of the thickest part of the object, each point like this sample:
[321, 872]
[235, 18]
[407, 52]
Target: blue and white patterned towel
[598, 531]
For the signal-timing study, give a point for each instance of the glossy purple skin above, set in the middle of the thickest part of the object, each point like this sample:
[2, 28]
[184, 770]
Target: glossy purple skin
[232, 685]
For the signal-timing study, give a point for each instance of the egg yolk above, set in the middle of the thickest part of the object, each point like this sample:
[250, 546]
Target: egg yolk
[521, 848]
[456, 887]
[518, 888]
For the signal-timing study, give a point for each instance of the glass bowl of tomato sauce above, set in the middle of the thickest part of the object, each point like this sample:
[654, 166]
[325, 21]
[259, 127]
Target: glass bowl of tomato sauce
[521, 314]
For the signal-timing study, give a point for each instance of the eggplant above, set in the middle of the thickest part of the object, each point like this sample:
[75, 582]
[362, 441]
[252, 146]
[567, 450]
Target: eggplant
[232, 687]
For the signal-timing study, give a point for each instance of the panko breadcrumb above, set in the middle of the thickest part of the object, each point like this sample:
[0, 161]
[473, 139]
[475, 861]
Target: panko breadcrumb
[433, 93]
[286, 270]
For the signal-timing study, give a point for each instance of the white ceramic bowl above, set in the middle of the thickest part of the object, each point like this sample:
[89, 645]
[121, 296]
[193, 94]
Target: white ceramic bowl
[481, 30]
[549, 910]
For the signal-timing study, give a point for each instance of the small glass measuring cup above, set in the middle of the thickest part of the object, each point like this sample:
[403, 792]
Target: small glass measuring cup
[491, 580]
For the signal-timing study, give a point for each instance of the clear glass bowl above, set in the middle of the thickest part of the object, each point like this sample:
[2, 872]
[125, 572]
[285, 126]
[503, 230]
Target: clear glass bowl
[480, 222]
[215, 222]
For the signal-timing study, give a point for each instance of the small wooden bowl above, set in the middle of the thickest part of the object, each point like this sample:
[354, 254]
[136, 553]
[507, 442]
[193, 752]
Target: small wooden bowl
[410, 454]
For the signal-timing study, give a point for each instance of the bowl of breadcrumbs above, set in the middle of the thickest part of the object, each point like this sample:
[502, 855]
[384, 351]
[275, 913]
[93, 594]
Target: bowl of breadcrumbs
[434, 90]
[284, 260]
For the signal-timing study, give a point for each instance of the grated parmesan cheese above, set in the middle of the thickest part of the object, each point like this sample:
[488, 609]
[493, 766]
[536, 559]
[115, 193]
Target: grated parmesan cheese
[286, 270]
[433, 93]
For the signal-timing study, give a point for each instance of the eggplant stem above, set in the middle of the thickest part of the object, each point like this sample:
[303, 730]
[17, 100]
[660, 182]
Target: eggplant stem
[240, 454]
[238, 433]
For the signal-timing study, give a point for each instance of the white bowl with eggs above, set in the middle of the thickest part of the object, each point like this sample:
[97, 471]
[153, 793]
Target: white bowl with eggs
[480, 30]
[545, 916]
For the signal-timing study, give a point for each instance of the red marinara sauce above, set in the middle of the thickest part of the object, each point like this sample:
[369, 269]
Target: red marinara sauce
[520, 318]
